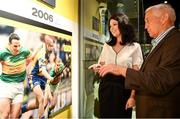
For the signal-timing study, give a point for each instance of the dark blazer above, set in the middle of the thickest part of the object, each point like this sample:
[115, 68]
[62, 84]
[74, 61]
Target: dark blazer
[157, 84]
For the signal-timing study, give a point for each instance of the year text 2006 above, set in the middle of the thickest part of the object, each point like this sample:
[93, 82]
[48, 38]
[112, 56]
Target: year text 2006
[43, 15]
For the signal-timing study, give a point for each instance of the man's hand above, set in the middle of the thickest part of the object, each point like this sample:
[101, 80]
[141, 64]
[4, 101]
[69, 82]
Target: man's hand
[130, 103]
[50, 80]
[113, 69]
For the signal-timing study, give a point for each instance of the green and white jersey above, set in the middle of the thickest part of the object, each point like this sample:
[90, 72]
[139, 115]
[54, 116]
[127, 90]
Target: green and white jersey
[13, 66]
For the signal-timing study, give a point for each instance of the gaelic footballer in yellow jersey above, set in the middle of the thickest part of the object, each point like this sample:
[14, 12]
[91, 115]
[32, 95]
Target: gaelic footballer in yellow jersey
[13, 60]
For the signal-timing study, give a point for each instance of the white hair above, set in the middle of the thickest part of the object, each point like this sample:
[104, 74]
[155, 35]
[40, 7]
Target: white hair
[160, 9]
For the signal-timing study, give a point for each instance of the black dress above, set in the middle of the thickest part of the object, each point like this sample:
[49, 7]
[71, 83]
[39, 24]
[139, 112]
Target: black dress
[113, 97]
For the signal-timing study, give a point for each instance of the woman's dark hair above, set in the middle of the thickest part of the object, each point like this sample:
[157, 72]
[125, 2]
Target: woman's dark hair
[126, 30]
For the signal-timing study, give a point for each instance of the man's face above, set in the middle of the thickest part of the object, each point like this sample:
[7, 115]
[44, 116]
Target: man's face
[49, 43]
[152, 24]
[15, 46]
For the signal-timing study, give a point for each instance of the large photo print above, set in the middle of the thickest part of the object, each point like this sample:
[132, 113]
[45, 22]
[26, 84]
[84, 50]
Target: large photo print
[47, 72]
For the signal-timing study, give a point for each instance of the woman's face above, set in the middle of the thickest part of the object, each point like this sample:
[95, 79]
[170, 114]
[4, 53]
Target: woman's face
[114, 29]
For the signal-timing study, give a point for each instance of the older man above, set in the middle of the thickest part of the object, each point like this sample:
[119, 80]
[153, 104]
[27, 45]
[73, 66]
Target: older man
[157, 84]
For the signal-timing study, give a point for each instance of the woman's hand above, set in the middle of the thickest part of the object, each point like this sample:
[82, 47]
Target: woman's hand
[130, 103]
[95, 67]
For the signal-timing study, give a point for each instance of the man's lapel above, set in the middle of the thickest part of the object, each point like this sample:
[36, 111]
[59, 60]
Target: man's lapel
[153, 52]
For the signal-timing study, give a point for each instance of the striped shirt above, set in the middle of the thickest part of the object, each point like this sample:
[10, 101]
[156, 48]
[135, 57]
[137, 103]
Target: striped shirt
[156, 41]
[13, 66]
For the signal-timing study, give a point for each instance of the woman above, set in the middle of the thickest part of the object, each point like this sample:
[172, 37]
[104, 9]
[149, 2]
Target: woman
[116, 101]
